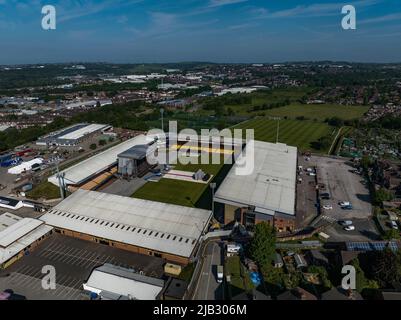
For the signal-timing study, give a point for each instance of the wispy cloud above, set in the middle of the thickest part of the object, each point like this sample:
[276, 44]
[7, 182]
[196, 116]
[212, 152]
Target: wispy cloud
[219, 3]
[318, 9]
[385, 18]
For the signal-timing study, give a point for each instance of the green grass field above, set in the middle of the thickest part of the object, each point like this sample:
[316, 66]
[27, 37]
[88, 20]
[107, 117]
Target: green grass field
[178, 192]
[292, 132]
[319, 112]
[172, 191]
[45, 190]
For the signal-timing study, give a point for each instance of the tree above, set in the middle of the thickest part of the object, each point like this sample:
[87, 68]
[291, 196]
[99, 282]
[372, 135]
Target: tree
[263, 244]
[102, 142]
[93, 146]
[386, 267]
[382, 195]
[361, 281]
[392, 234]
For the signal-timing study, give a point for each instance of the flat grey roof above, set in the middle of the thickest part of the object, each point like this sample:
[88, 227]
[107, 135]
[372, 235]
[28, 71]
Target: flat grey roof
[152, 225]
[270, 187]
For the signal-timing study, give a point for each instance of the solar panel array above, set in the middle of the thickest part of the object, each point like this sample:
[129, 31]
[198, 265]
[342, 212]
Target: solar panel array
[372, 246]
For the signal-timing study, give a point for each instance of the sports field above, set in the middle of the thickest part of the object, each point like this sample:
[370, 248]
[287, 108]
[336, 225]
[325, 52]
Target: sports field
[179, 192]
[318, 111]
[172, 191]
[292, 132]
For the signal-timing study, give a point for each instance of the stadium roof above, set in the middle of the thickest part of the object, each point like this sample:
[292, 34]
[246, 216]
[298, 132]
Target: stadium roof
[157, 226]
[82, 171]
[270, 187]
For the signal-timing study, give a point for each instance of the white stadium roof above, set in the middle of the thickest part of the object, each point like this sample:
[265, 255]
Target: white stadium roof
[157, 226]
[270, 187]
[80, 172]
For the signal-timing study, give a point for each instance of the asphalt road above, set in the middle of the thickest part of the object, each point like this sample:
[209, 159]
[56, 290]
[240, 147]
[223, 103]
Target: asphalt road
[207, 287]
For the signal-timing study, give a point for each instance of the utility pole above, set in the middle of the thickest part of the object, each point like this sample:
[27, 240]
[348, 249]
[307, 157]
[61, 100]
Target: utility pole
[61, 183]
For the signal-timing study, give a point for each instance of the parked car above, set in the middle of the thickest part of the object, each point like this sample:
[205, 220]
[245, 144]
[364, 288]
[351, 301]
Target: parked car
[346, 222]
[328, 207]
[394, 225]
[349, 228]
[344, 203]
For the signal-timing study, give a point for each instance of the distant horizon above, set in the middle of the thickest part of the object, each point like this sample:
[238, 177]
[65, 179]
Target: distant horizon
[197, 62]
[223, 31]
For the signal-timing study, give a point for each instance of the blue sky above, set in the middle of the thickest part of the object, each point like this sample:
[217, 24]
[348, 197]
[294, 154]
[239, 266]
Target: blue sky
[199, 30]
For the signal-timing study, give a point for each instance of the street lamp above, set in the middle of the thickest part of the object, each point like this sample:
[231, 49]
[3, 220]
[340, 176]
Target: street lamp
[162, 113]
[213, 187]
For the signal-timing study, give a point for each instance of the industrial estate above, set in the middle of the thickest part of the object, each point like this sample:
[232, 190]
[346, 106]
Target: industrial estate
[272, 217]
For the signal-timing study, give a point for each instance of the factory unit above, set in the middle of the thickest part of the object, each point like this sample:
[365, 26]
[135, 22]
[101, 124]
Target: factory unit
[151, 228]
[110, 282]
[18, 236]
[26, 166]
[268, 193]
[72, 136]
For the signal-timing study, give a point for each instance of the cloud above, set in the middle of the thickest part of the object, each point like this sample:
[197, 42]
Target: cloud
[220, 3]
[385, 18]
[314, 10]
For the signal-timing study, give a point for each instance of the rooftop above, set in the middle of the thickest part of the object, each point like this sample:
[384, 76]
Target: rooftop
[124, 282]
[270, 187]
[147, 224]
[80, 172]
[18, 233]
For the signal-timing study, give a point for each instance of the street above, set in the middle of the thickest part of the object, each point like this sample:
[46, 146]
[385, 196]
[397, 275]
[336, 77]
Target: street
[207, 287]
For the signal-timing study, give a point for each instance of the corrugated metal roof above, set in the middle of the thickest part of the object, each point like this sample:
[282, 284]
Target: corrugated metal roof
[122, 282]
[81, 132]
[80, 172]
[272, 184]
[148, 224]
[18, 230]
[7, 222]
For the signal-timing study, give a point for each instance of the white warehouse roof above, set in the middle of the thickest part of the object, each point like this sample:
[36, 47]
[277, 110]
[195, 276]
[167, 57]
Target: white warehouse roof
[80, 172]
[271, 187]
[82, 132]
[18, 233]
[25, 166]
[152, 225]
[121, 282]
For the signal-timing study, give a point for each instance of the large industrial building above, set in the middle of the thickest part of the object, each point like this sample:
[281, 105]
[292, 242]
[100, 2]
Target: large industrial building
[86, 170]
[73, 135]
[151, 228]
[268, 193]
[18, 236]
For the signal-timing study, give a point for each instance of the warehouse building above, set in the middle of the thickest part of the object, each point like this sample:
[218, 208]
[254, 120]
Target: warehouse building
[110, 282]
[151, 228]
[88, 169]
[72, 136]
[26, 166]
[18, 236]
[133, 162]
[268, 193]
